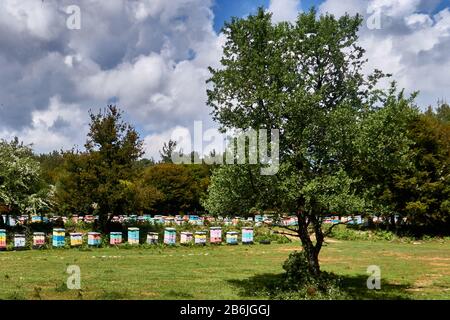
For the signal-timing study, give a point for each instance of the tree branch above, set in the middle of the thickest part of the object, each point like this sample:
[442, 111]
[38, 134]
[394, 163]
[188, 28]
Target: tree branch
[326, 234]
[287, 228]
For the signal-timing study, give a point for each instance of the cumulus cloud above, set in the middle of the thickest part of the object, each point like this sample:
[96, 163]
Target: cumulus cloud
[411, 43]
[153, 143]
[59, 125]
[341, 7]
[199, 138]
[284, 10]
[149, 57]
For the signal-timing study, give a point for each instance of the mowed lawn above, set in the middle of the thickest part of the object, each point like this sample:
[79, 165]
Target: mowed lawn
[408, 271]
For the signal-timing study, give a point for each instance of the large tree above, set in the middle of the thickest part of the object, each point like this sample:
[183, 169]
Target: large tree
[100, 175]
[22, 189]
[421, 192]
[304, 79]
[385, 152]
[51, 166]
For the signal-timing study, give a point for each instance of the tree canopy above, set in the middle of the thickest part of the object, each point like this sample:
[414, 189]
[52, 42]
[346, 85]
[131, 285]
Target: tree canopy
[22, 189]
[97, 177]
[306, 80]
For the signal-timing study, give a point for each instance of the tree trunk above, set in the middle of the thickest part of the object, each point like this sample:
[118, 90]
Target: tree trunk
[311, 250]
[312, 255]
[103, 222]
[391, 223]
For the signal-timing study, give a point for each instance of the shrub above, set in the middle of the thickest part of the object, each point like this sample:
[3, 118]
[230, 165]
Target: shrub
[296, 267]
[300, 284]
[343, 232]
[296, 283]
[266, 234]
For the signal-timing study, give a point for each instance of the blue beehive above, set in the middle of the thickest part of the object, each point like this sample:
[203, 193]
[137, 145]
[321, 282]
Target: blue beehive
[59, 238]
[170, 236]
[247, 235]
[133, 235]
[232, 238]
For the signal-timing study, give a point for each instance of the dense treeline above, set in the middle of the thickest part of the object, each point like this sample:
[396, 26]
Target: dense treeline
[66, 183]
[421, 193]
[107, 178]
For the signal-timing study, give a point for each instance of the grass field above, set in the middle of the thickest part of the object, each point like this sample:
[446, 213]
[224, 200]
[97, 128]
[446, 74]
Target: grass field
[408, 270]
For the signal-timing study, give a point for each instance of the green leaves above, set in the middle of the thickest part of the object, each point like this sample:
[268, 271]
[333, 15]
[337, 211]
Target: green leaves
[239, 190]
[335, 193]
[21, 187]
[97, 174]
[304, 79]
[179, 186]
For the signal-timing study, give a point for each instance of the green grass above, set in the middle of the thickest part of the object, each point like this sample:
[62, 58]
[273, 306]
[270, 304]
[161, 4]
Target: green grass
[409, 271]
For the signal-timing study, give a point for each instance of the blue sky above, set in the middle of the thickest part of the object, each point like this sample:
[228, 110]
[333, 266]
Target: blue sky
[225, 9]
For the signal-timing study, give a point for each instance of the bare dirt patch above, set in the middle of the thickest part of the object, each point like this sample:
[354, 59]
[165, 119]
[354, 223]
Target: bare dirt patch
[290, 249]
[403, 256]
[426, 281]
[328, 240]
[436, 259]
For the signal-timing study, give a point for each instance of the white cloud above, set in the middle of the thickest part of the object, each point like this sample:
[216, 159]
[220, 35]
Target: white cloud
[130, 81]
[341, 7]
[410, 44]
[394, 8]
[202, 139]
[54, 128]
[153, 143]
[30, 16]
[151, 57]
[284, 10]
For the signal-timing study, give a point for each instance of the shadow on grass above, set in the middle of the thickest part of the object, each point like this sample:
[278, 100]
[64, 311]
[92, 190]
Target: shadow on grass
[179, 295]
[351, 287]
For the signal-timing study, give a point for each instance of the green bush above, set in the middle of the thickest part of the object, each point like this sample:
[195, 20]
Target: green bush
[343, 232]
[298, 284]
[265, 233]
[296, 267]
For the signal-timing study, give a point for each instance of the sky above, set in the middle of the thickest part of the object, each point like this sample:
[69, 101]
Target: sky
[151, 58]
